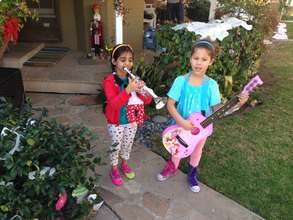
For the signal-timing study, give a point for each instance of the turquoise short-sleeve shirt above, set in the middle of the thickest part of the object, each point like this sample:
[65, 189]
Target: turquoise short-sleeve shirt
[191, 98]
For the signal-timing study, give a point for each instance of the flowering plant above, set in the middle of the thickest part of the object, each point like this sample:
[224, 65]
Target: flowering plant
[120, 8]
[13, 15]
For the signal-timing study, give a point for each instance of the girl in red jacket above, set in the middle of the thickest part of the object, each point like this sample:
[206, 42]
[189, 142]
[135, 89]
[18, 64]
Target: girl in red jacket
[118, 88]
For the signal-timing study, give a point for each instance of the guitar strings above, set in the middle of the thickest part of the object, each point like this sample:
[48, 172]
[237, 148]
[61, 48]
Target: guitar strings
[220, 112]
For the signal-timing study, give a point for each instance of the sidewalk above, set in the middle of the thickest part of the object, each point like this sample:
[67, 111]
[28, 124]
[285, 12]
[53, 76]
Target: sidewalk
[143, 198]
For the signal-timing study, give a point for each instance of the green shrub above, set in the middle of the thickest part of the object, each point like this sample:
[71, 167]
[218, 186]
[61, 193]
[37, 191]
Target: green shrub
[50, 159]
[264, 16]
[198, 10]
[236, 61]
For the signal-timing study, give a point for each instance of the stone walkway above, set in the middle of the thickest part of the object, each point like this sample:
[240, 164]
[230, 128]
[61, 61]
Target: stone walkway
[143, 198]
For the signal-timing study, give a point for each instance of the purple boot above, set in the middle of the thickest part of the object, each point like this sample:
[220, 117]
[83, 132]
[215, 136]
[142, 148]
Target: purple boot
[192, 179]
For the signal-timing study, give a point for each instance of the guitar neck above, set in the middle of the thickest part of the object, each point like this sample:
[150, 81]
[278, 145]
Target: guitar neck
[220, 112]
[248, 88]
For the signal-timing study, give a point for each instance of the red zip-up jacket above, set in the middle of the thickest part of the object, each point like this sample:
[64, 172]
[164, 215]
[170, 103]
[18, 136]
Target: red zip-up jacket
[116, 99]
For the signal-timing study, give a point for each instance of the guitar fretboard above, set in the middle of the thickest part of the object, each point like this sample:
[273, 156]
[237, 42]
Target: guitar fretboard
[220, 112]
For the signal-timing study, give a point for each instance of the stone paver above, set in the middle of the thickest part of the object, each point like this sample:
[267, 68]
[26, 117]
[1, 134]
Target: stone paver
[83, 100]
[144, 197]
[156, 204]
[105, 213]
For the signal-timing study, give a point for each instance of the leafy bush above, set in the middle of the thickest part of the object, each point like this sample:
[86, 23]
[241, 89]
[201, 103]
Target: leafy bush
[237, 59]
[49, 161]
[198, 10]
[261, 14]
[170, 63]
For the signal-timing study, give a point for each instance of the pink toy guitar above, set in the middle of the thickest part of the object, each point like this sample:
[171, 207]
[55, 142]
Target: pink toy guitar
[181, 143]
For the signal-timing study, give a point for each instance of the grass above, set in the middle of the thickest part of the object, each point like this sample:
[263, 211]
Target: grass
[289, 14]
[290, 30]
[249, 157]
[287, 18]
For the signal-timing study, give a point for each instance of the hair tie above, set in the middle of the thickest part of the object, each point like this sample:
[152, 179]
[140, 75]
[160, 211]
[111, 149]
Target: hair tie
[121, 45]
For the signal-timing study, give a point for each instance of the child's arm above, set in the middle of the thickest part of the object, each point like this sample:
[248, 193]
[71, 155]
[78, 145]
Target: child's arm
[216, 107]
[147, 99]
[187, 125]
[243, 97]
[116, 101]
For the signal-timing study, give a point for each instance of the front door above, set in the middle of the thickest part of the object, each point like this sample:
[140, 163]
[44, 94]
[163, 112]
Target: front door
[47, 28]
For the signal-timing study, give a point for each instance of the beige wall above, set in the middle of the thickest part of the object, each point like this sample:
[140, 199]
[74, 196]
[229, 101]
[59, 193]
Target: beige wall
[109, 22]
[67, 22]
[133, 27]
[76, 16]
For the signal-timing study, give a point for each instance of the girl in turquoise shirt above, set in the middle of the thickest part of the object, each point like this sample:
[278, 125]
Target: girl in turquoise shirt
[194, 92]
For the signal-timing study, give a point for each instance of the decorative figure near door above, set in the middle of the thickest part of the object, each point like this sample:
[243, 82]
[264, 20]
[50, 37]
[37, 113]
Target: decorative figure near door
[96, 29]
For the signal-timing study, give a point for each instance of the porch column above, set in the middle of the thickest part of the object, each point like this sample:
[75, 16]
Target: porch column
[213, 7]
[118, 28]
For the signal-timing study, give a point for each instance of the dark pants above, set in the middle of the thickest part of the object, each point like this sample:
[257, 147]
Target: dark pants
[175, 12]
[11, 85]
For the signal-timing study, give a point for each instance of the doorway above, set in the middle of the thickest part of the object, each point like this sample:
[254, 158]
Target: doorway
[47, 28]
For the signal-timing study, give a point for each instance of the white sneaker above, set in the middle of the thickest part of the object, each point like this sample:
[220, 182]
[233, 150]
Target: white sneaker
[168, 171]
[161, 178]
[195, 189]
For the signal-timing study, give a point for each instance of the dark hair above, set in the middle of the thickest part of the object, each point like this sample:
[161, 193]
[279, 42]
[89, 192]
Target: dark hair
[206, 44]
[118, 50]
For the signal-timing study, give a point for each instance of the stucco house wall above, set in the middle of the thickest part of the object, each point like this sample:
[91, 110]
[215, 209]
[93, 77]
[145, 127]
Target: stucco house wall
[68, 24]
[75, 19]
[133, 28]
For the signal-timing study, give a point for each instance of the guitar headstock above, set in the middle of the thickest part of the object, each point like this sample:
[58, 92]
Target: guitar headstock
[252, 84]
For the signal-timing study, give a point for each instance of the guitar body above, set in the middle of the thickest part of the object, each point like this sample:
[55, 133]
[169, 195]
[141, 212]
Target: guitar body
[180, 142]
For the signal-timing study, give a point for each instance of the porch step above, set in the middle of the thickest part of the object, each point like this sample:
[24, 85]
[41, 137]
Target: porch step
[67, 76]
[21, 52]
[61, 86]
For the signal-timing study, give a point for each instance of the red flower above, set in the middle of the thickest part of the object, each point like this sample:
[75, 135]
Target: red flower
[61, 201]
[11, 30]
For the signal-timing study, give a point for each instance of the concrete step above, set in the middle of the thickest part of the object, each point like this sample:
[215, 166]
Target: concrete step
[61, 86]
[67, 76]
[21, 52]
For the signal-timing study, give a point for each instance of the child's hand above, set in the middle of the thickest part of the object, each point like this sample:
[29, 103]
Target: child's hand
[187, 125]
[141, 84]
[141, 90]
[243, 97]
[133, 85]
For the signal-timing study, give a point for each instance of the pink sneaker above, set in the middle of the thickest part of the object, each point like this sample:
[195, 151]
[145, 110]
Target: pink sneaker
[115, 177]
[127, 171]
[168, 171]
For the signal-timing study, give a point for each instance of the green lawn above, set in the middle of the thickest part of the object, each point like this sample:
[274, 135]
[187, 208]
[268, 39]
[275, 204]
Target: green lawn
[249, 157]
[289, 14]
[287, 17]
[290, 29]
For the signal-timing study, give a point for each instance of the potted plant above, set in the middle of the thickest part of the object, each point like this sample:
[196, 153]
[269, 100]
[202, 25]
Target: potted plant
[13, 15]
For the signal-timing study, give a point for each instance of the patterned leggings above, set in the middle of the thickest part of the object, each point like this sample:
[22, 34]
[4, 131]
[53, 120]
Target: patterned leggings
[122, 137]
